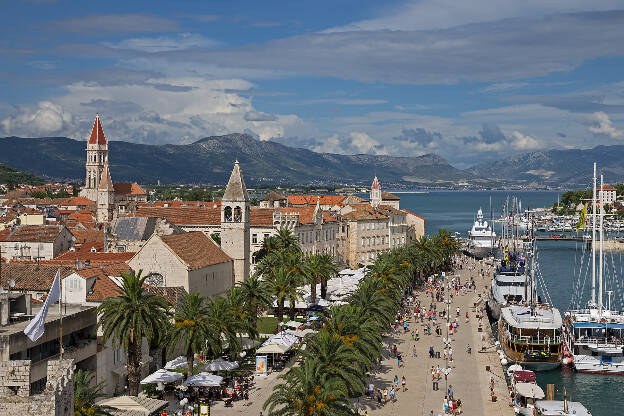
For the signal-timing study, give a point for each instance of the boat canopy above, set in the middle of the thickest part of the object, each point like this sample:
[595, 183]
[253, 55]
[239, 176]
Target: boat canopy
[524, 376]
[506, 278]
[520, 317]
[597, 325]
[530, 390]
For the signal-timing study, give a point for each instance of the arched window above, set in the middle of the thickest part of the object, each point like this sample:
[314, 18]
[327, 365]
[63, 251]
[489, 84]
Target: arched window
[227, 214]
[238, 214]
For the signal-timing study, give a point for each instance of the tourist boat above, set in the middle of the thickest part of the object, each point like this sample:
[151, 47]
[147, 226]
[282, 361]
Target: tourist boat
[593, 336]
[531, 334]
[510, 284]
[528, 398]
[481, 238]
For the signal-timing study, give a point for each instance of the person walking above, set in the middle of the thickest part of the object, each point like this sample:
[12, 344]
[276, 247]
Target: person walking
[404, 383]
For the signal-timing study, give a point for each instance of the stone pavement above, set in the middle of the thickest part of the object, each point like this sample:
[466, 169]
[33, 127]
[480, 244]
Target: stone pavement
[468, 377]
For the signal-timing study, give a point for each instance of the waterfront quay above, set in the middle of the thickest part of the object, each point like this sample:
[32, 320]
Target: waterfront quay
[468, 376]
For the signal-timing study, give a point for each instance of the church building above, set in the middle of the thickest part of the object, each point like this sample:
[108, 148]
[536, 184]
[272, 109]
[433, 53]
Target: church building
[111, 198]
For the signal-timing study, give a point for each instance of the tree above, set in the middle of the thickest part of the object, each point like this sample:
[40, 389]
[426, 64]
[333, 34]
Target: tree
[87, 393]
[328, 270]
[131, 316]
[280, 284]
[306, 392]
[255, 296]
[191, 328]
[226, 324]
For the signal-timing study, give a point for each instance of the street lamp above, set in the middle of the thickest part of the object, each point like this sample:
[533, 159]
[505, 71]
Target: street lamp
[447, 343]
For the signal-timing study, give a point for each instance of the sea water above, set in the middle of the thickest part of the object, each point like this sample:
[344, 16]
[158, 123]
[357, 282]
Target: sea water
[562, 265]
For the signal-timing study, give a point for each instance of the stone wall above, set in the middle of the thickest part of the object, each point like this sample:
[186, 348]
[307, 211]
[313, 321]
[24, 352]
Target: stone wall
[56, 400]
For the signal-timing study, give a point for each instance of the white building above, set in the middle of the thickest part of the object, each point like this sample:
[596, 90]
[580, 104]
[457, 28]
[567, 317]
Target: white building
[35, 242]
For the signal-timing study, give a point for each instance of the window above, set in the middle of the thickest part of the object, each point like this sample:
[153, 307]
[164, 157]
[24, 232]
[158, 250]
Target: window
[363, 241]
[402, 240]
[373, 241]
[238, 214]
[363, 226]
[227, 214]
[372, 226]
[266, 235]
[254, 238]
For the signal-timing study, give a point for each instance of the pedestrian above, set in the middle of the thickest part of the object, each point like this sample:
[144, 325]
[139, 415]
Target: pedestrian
[431, 352]
[450, 354]
[392, 394]
[396, 381]
[246, 398]
[394, 350]
[379, 396]
[450, 391]
[403, 383]
[414, 351]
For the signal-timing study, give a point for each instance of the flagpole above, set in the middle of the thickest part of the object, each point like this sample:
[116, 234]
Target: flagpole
[61, 318]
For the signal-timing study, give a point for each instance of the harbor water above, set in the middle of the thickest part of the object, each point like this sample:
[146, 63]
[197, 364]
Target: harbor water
[561, 263]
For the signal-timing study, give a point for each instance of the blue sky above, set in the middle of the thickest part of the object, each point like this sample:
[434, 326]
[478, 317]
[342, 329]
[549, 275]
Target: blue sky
[469, 80]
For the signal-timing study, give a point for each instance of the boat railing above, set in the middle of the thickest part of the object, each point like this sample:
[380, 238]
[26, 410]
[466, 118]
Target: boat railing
[528, 339]
[599, 342]
[589, 315]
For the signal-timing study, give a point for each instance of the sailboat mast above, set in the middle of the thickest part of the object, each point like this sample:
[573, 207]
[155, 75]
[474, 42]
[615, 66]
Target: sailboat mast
[593, 286]
[601, 240]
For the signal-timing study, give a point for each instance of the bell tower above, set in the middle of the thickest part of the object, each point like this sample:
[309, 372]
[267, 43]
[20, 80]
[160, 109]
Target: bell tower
[375, 193]
[97, 158]
[105, 197]
[235, 215]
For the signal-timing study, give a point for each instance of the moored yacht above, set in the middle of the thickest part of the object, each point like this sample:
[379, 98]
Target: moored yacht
[481, 238]
[510, 285]
[593, 336]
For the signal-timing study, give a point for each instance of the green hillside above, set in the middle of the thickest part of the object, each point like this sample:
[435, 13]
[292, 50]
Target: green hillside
[11, 176]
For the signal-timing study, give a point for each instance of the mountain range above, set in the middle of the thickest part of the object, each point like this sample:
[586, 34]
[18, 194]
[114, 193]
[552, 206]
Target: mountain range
[209, 161]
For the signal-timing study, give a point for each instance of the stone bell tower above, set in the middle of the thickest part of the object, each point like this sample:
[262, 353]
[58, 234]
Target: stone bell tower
[375, 193]
[97, 158]
[235, 215]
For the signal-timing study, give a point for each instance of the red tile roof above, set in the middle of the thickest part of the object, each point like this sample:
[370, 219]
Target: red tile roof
[97, 133]
[387, 196]
[606, 188]
[306, 214]
[70, 257]
[78, 201]
[31, 276]
[195, 249]
[411, 213]
[123, 188]
[35, 233]
[312, 199]
[103, 288]
[182, 215]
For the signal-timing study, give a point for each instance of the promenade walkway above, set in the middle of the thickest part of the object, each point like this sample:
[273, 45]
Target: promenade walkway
[468, 376]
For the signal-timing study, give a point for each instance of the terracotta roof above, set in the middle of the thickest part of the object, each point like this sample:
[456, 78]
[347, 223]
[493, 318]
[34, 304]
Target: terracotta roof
[123, 188]
[171, 294]
[31, 276]
[78, 201]
[387, 196]
[261, 217]
[272, 196]
[70, 257]
[35, 233]
[364, 212]
[312, 199]
[388, 210]
[97, 133]
[103, 288]
[606, 188]
[415, 215]
[182, 215]
[176, 204]
[195, 249]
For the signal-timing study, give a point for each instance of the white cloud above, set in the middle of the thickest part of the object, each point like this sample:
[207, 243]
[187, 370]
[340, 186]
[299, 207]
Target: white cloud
[179, 41]
[43, 119]
[602, 125]
[438, 14]
[354, 143]
[146, 113]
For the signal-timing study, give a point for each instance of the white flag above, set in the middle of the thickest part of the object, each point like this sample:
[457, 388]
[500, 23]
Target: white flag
[35, 328]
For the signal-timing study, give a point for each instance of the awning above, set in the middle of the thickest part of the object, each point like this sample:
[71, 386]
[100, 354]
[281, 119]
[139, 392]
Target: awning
[162, 376]
[220, 365]
[141, 405]
[272, 349]
[204, 380]
[530, 390]
[524, 376]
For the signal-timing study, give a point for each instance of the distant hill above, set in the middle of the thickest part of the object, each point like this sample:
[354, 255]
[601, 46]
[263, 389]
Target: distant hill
[210, 160]
[571, 168]
[9, 175]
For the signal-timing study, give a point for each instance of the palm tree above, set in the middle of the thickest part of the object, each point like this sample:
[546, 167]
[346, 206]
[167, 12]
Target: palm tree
[287, 240]
[192, 328]
[128, 318]
[328, 270]
[255, 296]
[87, 393]
[239, 309]
[280, 284]
[336, 357]
[226, 324]
[306, 392]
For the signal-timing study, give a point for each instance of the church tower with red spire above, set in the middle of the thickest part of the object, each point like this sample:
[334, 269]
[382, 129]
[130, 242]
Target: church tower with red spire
[375, 193]
[97, 159]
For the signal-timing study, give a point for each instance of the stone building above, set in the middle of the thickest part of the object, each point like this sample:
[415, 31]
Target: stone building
[273, 200]
[35, 242]
[111, 198]
[189, 260]
[79, 337]
[235, 219]
[131, 233]
[18, 399]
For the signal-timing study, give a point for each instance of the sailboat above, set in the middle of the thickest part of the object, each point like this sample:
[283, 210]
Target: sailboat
[530, 334]
[593, 335]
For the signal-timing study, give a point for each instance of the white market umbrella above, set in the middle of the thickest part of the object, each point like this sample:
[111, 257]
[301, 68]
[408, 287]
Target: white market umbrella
[272, 349]
[162, 376]
[293, 324]
[204, 380]
[220, 365]
[178, 363]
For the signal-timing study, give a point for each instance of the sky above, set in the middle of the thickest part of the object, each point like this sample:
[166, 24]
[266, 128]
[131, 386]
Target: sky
[471, 81]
